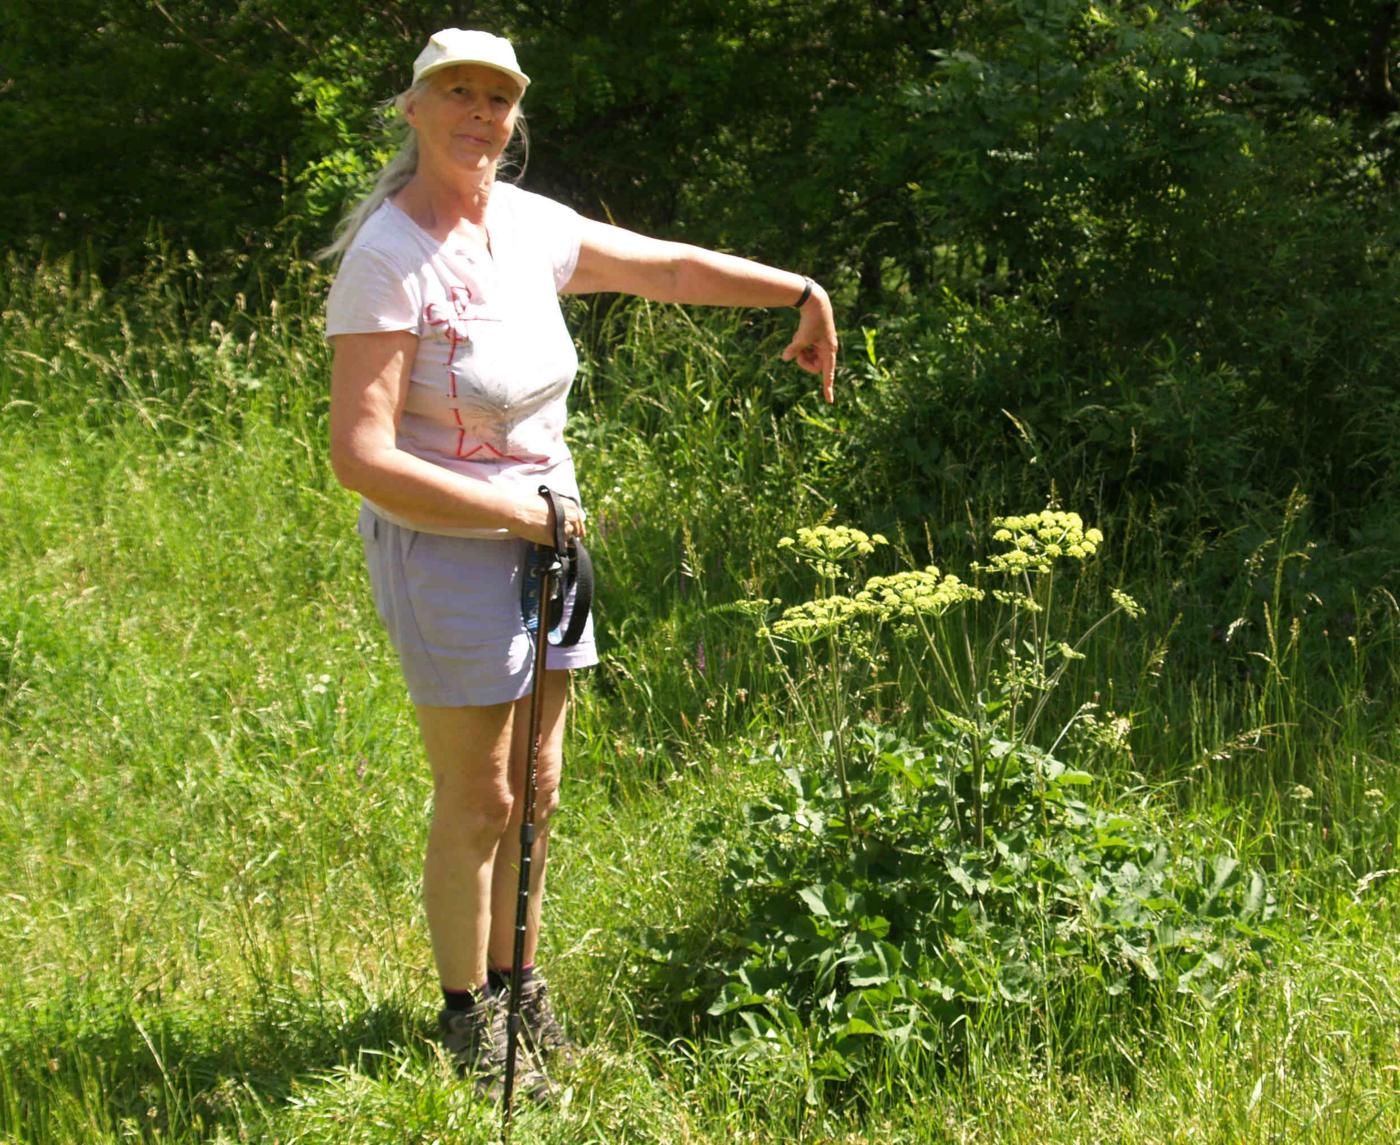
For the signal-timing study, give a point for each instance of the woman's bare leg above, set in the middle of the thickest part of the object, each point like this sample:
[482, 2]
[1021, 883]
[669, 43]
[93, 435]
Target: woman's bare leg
[505, 885]
[477, 756]
[469, 751]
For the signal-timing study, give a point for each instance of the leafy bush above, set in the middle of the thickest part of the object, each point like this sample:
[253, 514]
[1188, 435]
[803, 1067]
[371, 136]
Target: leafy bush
[883, 927]
[907, 880]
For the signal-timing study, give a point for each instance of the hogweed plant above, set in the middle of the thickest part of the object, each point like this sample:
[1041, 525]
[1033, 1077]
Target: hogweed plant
[992, 692]
[937, 858]
[820, 623]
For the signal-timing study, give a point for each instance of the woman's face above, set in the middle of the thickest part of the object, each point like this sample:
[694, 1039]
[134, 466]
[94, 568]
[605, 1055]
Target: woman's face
[465, 117]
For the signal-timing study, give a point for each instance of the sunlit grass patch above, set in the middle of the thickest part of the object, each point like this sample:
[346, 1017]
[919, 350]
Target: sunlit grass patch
[216, 804]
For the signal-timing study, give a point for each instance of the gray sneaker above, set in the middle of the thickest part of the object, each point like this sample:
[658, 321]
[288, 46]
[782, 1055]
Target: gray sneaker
[476, 1039]
[546, 1036]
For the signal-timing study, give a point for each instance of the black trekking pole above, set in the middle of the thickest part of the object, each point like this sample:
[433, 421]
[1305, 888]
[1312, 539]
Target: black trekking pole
[550, 565]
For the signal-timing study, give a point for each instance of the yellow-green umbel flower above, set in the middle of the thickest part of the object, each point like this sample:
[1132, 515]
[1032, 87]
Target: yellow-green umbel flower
[824, 546]
[1018, 600]
[905, 596]
[1127, 603]
[815, 619]
[834, 542]
[1037, 540]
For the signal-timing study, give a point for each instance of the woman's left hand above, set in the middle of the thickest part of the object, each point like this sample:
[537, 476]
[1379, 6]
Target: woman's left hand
[814, 345]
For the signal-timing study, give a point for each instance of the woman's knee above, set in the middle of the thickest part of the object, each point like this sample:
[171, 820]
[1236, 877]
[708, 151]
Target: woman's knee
[546, 801]
[546, 791]
[478, 818]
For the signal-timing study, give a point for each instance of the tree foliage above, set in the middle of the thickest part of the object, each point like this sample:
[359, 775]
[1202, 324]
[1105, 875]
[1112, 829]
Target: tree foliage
[902, 144]
[126, 121]
[1160, 234]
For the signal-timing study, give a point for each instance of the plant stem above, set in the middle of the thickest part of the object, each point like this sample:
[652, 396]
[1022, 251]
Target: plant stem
[838, 735]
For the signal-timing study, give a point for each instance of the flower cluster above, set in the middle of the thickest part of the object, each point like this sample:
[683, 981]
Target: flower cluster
[1037, 540]
[1127, 603]
[824, 546]
[907, 595]
[835, 542]
[1018, 600]
[815, 619]
[1104, 729]
[900, 599]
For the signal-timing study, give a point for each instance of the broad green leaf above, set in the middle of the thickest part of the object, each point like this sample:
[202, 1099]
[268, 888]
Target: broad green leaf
[812, 896]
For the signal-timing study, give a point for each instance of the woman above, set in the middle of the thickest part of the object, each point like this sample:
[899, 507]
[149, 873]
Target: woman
[451, 368]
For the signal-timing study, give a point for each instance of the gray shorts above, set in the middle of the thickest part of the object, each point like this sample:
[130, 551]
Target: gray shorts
[452, 609]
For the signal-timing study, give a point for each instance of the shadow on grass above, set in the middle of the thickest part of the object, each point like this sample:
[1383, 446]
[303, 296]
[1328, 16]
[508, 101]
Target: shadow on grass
[171, 1071]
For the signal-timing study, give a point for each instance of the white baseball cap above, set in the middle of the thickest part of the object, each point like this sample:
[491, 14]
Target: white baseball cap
[455, 46]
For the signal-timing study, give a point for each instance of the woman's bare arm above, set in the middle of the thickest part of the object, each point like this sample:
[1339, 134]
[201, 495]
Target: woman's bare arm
[614, 259]
[369, 382]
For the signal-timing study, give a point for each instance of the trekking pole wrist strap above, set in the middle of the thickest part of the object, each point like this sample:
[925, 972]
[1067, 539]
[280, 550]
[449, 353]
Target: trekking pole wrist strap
[557, 520]
[575, 574]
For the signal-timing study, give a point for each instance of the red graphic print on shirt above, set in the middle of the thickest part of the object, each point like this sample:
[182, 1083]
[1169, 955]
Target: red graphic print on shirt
[460, 299]
[465, 306]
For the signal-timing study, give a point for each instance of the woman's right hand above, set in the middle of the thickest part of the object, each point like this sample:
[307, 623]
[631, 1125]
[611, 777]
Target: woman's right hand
[534, 522]
[369, 386]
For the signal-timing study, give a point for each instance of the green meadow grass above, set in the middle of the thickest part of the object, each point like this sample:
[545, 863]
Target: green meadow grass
[216, 807]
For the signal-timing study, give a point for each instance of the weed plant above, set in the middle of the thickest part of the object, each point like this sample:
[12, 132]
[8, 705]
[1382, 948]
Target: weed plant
[216, 808]
[904, 878]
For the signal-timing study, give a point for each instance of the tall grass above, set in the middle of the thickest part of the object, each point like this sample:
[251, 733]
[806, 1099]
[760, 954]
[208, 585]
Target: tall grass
[216, 808]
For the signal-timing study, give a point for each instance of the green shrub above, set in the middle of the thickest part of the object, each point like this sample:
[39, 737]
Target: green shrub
[899, 882]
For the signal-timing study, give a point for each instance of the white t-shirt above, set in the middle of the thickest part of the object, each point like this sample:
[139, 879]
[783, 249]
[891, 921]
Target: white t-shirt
[495, 362]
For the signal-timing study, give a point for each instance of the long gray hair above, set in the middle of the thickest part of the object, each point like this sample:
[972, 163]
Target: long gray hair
[393, 177]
